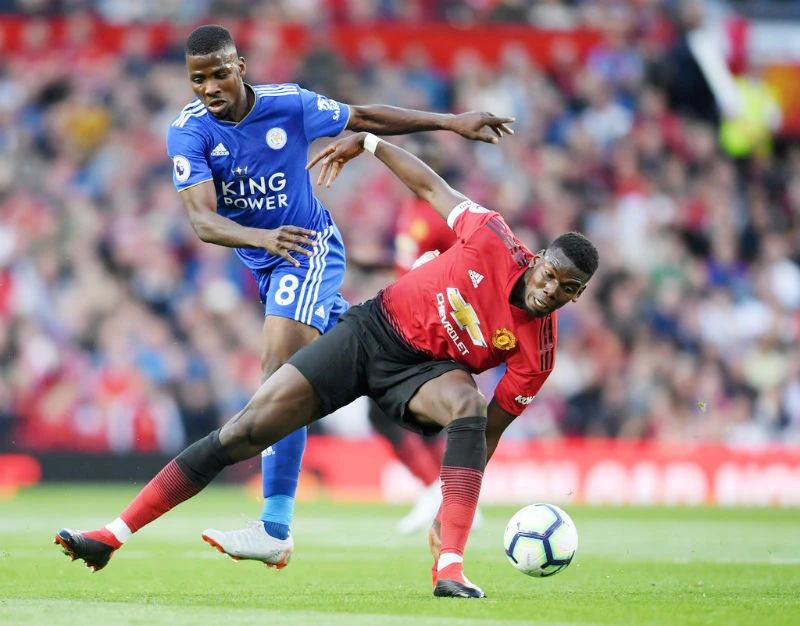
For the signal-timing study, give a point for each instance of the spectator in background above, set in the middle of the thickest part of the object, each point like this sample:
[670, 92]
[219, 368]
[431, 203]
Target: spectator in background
[75, 230]
[681, 75]
[749, 133]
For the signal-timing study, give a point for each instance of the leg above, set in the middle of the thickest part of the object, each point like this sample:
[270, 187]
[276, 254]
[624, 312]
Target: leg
[497, 422]
[280, 463]
[411, 449]
[269, 540]
[423, 462]
[300, 304]
[281, 405]
[453, 401]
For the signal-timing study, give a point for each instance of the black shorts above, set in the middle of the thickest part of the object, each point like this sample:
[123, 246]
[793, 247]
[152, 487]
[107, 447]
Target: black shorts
[364, 356]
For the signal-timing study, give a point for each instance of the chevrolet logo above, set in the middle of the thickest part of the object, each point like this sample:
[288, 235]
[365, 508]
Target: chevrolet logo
[465, 317]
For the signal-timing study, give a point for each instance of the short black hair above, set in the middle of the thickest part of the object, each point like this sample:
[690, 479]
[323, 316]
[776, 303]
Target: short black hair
[208, 39]
[579, 250]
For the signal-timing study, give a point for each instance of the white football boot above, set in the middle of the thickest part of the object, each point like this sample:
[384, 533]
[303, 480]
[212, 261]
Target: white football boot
[423, 511]
[253, 543]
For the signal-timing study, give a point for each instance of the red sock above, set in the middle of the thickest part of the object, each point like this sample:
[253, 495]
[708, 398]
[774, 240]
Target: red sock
[461, 487]
[417, 457]
[454, 571]
[168, 489]
[103, 535]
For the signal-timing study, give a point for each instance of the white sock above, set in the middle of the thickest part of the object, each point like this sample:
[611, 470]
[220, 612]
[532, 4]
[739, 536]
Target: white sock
[119, 529]
[448, 559]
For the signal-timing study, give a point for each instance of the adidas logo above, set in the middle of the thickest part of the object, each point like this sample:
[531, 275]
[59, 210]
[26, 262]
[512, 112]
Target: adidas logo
[220, 150]
[320, 312]
[475, 278]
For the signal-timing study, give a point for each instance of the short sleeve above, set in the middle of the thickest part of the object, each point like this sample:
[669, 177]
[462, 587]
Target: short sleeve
[516, 390]
[322, 117]
[468, 217]
[188, 151]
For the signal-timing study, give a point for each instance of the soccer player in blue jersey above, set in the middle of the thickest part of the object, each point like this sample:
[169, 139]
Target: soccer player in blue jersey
[239, 153]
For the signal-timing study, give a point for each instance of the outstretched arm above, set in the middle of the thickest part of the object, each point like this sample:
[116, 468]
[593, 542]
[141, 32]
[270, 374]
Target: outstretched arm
[388, 120]
[415, 174]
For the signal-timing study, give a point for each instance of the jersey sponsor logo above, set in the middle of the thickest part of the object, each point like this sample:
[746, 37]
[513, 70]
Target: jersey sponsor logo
[504, 339]
[258, 193]
[276, 138]
[320, 312]
[182, 168]
[464, 316]
[475, 278]
[220, 150]
[448, 326]
[524, 400]
[326, 104]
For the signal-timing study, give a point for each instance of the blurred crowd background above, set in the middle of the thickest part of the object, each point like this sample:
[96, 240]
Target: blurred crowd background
[120, 330]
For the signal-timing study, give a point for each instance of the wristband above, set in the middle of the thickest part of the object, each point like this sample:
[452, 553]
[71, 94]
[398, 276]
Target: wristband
[371, 142]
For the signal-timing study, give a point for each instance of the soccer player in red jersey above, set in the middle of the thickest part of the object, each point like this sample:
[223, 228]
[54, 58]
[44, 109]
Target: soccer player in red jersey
[487, 300]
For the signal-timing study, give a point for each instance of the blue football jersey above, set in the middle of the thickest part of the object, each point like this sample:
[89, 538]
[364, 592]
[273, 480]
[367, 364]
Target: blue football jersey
[258, 164]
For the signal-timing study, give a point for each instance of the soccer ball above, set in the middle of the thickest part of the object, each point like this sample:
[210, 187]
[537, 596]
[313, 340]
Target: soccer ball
[540, 540]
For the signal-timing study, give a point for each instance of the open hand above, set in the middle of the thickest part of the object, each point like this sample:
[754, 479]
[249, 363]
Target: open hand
[481, 126]
[286, 239]
[335, 155]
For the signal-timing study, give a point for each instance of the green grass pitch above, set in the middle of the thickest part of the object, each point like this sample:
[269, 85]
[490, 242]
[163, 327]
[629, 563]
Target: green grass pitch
[635, 566]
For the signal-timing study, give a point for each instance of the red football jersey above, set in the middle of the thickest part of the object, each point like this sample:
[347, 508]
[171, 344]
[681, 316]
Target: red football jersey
[456, 306]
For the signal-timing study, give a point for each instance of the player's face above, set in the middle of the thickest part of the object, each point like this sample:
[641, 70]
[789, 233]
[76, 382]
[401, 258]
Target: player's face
[552, 281]
[217, 79]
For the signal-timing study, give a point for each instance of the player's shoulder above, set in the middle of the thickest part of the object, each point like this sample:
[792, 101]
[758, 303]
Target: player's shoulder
[490, 232]
[276, 90]
[189, 115]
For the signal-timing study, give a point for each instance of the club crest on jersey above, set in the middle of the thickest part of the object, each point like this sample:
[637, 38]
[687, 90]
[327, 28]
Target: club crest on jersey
[182, 168]
[504, 339]
[276, 138]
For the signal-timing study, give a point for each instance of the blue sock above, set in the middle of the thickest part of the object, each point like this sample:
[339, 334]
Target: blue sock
[280, 472]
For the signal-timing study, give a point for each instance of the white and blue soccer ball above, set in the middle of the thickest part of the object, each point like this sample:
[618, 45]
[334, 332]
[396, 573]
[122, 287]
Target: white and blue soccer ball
[540, 540]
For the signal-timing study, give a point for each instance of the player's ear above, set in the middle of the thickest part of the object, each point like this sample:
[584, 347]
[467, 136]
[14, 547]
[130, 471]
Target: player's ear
[242, 66]
[536, 257]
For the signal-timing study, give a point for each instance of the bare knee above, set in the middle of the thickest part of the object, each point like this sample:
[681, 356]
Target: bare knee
[451, 396]
[464, 401]
[242, 432]
[471, 404]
